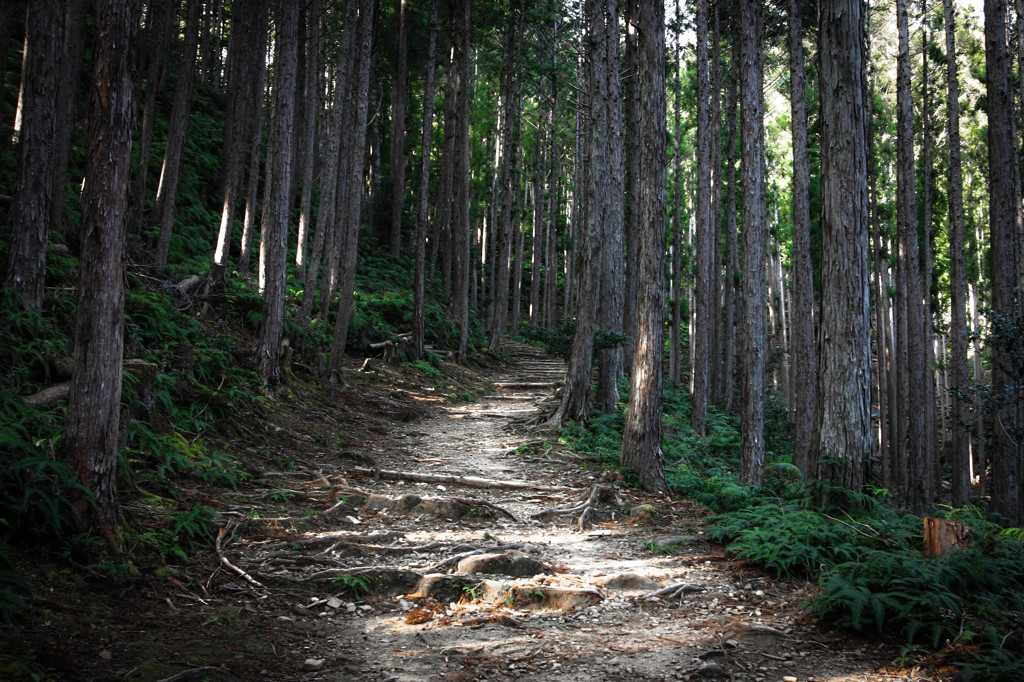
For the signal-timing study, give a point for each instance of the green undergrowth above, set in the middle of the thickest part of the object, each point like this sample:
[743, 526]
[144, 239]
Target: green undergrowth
[964, 608]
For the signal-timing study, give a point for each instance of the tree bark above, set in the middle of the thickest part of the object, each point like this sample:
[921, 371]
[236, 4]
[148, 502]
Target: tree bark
[631, 121]
[353, 192]
[307, 144]
[613, 292]
[961, 440]
[162, 22]
[909, 261]
[461, 237]
[255, 152]
[245, 53]
[398, 88]
[754, 244]
[803, 266]
[732, 259]
[274, 223]
[641, 437]
[701, 358]
[29, 214]
[842, 425]
[1004, 227]
[94, 402]
[166, 193]
[67, 95]
[423, 194]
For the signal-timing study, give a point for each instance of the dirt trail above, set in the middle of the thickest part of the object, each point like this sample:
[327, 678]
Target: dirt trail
[423, 580]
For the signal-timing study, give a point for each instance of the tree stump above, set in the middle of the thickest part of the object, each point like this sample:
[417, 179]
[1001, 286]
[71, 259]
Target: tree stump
[941, 535]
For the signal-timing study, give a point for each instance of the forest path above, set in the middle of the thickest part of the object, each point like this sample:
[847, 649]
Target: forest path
[454, 578]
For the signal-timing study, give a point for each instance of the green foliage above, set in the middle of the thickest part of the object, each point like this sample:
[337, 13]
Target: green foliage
[180, 533]
[558, 341]
[354, 585]
[786, 539]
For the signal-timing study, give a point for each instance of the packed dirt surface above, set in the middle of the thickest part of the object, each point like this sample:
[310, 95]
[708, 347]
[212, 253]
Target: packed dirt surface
[460, 541]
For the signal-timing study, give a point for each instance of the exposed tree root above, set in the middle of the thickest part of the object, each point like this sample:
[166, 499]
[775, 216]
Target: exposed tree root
[468, 481]
[585, 505]
[673, 591]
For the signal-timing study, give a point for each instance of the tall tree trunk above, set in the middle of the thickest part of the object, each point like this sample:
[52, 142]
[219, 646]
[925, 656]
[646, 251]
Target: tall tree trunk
[551, 248]
[162, 22]
[961, 440]
[1005, 226]
[732, 259]
[398, 87]
[906, 218]
[29, 214]
[754, 245]
[537, 234]
[675, 359]
[461, 237]
[274, 227]
[613, 247]
[94, 401]
[306, 146]
[67, 94]
[641, 436]
[423, 194]
[931, 473]
[252, 193]
[631, 123]
[177, 128]
[502, 231]
[717, 317]
[353, 194]
[842, 424]
[701, 358]
[803, 266]
[245, 52]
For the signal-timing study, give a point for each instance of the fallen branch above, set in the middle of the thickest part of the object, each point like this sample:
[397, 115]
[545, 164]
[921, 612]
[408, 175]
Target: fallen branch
[673, 591]
[224, 560]
[498, 618]
[48, 395]
[468, 481]
[585, 504]
[191, 672]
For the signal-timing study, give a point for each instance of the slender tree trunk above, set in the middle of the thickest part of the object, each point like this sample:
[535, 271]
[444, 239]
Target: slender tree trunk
[631, 121]
[675, 353]
[167, 190]
[537, 234]
[754, 245]
[641, 436]
[398, 88]
[613, 291]
[67, 94]
[717, 317]
[842, 425]
[803, 266]
[29, 214]
[163, 20]
[460, 181]
[961, 440]
[423, 194]
[249, 24]
[701, 358]
[1005, 226]
[502, 229]
[307, 144]
[551, 248]
[274, 227]
[92, 422]
[732, 259]
[353, 194]
[255, 149]
[930, 482]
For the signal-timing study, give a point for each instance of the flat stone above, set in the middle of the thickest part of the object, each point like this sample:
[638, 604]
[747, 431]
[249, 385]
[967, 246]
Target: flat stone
[551, 597]
[628, 582]
[447, 588]
[314, 664]
[512, 564]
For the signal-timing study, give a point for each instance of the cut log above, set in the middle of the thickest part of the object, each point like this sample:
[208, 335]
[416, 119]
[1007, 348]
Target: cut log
[48, 395]
[941, 535]
[468, 481]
